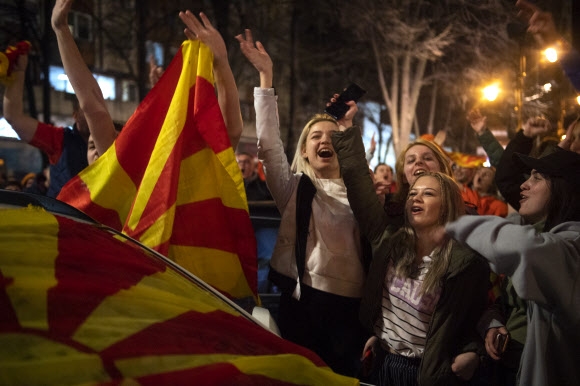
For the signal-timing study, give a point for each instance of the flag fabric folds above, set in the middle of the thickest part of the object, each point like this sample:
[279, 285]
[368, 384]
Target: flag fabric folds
[171, 179]
[78, 306]
[467, 160]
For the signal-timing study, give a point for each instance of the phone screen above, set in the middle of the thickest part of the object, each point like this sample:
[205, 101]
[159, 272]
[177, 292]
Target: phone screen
[352, 93]
[337, 110]
[501, 342]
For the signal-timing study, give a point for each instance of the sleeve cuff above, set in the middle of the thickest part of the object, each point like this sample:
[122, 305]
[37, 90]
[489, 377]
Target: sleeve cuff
[258, 91]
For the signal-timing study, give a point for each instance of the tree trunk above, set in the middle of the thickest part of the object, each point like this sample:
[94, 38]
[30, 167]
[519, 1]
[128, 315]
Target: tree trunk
[432, 107]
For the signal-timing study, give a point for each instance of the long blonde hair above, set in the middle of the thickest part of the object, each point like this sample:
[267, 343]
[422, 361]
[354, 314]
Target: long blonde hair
[299, 163]
[405, 240]
[442, 160]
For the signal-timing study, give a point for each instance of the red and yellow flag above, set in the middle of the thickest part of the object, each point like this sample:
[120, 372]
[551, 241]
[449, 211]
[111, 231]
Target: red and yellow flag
[171, 179]
[9, 58]
[467, 160]
[78, 306]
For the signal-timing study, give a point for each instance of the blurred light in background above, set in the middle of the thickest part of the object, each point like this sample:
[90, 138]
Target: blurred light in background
[59, 80]
[6, 130]
[551, 54]
[547, 87]
[491, 92]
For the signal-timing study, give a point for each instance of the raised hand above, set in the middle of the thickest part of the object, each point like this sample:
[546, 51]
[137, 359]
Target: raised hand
[59, 18]
[258, 56]
[373, 145]
[155, 71]
[206, 33]
[21, 63]
[227, 92]
[382, 187]
[536, 126]
[346, 121]
[476, 120]
[540, 23]
[571, 140]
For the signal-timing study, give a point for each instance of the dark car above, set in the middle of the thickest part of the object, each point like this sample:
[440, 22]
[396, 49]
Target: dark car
[266, 221]
[81, 303]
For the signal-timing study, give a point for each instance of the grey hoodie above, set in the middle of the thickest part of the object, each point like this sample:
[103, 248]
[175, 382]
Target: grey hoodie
[545, 271]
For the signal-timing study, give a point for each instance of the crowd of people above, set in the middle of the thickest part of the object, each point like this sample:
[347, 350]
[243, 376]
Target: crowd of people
[433, 272]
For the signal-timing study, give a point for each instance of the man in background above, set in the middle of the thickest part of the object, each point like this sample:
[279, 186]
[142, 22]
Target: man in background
[256, 188]
[65, 147]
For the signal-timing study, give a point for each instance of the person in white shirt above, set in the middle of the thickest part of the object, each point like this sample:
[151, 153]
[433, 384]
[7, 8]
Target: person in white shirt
[318, 262]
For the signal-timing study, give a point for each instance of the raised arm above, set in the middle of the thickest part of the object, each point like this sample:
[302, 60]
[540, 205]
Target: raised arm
[485, 137]
[155, 71]
[86, 88]
[542, 266]
[257, 55]
[24, 125]
[363, 200]
[227, 91]
[279, 176]
[571, 142]
[541, 26]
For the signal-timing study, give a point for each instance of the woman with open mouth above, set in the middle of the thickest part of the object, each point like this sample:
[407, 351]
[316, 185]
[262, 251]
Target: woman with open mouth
[422, 298]
[544, 266]
[420, 156]
[318, 261]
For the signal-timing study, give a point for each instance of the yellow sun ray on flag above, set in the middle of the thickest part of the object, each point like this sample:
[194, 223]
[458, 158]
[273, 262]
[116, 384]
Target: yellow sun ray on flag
[109, 311]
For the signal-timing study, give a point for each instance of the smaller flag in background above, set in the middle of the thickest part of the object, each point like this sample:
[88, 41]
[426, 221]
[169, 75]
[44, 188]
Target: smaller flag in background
[9, 58]
[467, 160]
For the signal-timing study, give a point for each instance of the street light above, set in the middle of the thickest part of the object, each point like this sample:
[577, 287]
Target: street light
[551, 54]
[491, 92]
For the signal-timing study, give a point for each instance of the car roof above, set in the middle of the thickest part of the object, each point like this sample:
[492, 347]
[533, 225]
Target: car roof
[86, 304]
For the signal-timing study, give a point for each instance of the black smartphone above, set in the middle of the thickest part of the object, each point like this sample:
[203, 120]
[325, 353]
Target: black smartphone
[501, 342]
[352, 93]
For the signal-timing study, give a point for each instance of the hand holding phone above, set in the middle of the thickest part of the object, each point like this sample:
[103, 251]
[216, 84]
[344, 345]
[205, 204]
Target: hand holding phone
[501, 342]
[337, 109]
[367, 362]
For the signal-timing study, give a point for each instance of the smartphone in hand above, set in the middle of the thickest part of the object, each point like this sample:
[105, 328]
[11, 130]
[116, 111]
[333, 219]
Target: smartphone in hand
[337, 109]
[367, 362]
[501, 342]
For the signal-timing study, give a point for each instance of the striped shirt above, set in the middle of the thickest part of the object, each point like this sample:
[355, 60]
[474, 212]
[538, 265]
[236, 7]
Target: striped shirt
[406, 314]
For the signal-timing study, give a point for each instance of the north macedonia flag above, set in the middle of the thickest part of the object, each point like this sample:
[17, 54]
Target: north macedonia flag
[79, 306]
[171, 180]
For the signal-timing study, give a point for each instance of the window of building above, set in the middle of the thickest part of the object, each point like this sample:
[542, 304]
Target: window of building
[107, 85]
[6, 130]
[129, 91]
[59, 81]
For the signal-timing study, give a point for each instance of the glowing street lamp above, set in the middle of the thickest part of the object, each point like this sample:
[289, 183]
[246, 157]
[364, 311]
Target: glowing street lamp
[491, 92]
[551, 54]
